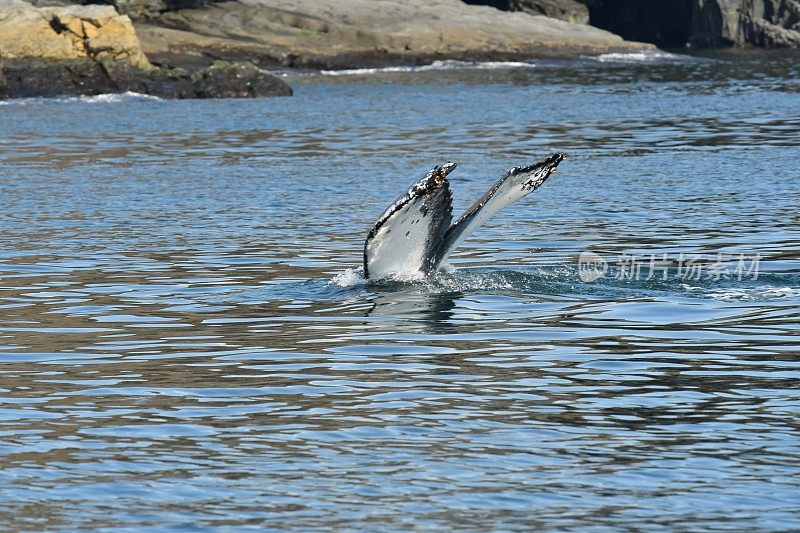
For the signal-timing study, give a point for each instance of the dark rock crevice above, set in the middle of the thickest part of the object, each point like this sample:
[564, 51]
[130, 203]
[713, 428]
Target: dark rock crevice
[502, 5]
[665, 23]
[710, 26]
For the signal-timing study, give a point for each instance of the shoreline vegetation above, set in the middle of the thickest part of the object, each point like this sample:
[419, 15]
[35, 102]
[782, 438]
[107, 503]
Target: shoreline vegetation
[207, 49]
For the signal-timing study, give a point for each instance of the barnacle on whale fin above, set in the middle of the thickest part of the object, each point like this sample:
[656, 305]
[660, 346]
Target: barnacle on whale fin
[440, 176]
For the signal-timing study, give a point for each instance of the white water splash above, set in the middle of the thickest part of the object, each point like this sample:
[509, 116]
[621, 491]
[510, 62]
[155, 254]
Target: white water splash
[436, 65]
[113, 98]
[754, 293]
[636, 57]
[105, 98]
[469, 281]
[348, 278]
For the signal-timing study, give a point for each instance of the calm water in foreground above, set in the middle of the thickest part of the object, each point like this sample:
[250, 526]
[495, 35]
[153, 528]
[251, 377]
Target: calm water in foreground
[186, 343]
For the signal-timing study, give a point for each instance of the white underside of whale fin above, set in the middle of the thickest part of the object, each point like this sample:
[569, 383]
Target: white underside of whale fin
[404, 241]
[514, 185]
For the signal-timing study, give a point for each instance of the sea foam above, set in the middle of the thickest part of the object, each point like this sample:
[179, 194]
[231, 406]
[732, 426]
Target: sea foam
[436, 65]
[635, 57]
[105, 98]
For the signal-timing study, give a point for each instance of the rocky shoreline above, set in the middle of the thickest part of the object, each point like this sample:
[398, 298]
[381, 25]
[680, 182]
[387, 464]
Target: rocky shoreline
[331, 34]
[209, 48]
[199, 49]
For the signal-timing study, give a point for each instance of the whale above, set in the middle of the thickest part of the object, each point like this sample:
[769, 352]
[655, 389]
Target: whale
[415, 235]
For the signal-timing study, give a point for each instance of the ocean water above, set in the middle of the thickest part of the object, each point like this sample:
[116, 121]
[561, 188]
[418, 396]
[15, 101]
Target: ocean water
[187, 344]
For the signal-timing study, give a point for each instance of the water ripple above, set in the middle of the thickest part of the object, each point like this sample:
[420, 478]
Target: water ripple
[186, 339]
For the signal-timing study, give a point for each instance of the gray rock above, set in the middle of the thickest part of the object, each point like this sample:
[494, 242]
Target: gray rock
[765, 23]
[236, 80]
[770, 23]
[151, 9]
[338, 34]
[568, 10]
[140, 9]
[21, 78]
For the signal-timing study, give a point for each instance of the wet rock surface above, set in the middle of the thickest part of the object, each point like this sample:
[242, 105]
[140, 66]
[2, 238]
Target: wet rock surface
[67, 77]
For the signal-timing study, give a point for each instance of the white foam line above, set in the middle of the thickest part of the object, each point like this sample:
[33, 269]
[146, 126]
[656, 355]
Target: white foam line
[635, 57]
[755, 293]
[105, 98]
[436, 65]
[116, 97]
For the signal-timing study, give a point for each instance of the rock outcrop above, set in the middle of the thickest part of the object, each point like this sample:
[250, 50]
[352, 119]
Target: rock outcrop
[74, 32]
[765, 23]
[701, 23]
[337, 34]
[46, 77]
[78, 50]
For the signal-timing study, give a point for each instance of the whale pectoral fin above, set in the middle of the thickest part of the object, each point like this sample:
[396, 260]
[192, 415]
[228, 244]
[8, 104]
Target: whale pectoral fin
[514, 185]
[404, 240]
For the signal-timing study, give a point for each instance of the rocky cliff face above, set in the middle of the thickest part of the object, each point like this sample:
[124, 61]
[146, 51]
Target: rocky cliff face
[766, 23]
[703, 23]
[675, 23]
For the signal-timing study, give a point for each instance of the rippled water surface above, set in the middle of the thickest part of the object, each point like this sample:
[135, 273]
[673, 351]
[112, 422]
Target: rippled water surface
[186, 342]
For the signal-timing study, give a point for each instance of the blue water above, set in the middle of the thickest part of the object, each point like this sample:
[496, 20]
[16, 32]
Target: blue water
[186, 343]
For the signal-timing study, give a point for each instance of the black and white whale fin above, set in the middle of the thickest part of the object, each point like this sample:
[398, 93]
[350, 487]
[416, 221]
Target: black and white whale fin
[516, 184]
[403, 242]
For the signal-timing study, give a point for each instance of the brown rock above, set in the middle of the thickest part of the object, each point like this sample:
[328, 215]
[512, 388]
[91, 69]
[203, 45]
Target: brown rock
[73, 32]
